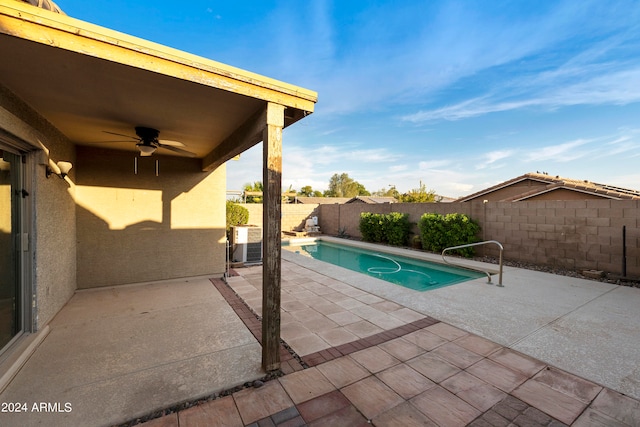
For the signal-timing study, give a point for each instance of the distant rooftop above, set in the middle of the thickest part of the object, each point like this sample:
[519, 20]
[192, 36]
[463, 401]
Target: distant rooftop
[44, 4]
[514, 189]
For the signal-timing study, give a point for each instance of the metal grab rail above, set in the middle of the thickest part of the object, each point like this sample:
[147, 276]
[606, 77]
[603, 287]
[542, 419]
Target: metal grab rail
[477, 244]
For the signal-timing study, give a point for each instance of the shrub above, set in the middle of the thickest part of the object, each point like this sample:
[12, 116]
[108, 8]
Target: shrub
[397, 228]
[439, 232]
[236, 215]
[392, 228]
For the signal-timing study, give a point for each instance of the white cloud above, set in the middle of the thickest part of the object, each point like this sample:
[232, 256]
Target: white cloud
[560, 152]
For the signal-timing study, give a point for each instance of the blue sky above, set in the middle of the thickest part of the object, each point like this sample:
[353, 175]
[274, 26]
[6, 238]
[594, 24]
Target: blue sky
[460, 95]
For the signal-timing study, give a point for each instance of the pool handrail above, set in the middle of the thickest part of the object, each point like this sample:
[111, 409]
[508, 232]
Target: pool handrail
[477, 244]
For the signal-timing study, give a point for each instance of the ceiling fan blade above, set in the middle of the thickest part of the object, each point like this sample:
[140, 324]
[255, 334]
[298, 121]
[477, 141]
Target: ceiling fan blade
[119, 134]
[109, 142]
[171, 143]
[177, 150]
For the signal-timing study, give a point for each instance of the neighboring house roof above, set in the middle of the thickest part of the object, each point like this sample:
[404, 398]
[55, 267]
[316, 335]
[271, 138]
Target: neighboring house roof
[321, 200]
[371, 200]
[541, 186]
[445, 199]
[44, 4]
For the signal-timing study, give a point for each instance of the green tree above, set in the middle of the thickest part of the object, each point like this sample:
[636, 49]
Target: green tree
[256, 187]
[419, 195]
[388, 192]
[307, 191]
[344, 186]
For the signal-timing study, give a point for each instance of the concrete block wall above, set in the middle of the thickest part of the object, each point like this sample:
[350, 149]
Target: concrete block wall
[572, 234]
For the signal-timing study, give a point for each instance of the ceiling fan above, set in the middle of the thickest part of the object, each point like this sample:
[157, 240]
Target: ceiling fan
[148, 142]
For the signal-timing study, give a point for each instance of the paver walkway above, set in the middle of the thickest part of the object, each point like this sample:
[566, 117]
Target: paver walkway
[423, 373]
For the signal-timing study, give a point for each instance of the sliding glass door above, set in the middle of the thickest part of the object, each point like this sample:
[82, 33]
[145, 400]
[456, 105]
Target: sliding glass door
[11, 236]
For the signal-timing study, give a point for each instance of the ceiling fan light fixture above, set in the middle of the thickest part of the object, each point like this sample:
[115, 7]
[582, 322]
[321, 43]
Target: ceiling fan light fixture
[146, 150]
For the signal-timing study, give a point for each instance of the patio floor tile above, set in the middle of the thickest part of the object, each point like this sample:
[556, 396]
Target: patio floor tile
[405, 381]
[374, 359]
[425, 339]
[407, 315]
[323, 405]
[343, 371]
[307, 344]
[433, 367]
[372, 397]
[618, 407]
[350, 303]
[319, 324]
[363, 328]
[386, 321]
[293, 329]
[170, 420]
[581, 389]
[370, 299]
[386, 306]
[478, 344]
[343, 318]
[337, 336]
[473, 390]
[257, 403]
[447, 331]
[445, 408]
[223, 411]
[456, 355]
[557, 404]
[498, 375]
[307, 384]
[347, 416]
[592, 418]
[327, 308]
[517, 361]
[402, 349]
[306, 315]
[294, 305]
[404, 415]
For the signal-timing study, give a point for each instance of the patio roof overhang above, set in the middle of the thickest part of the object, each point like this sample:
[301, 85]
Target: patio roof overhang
[87, 80]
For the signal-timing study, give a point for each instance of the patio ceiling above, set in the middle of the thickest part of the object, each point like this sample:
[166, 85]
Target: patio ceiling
[88, 81]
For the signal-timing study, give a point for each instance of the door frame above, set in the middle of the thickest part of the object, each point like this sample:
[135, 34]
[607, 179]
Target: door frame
[26, 242]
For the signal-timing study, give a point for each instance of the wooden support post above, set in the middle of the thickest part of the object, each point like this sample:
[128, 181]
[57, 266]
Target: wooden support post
[271, 218]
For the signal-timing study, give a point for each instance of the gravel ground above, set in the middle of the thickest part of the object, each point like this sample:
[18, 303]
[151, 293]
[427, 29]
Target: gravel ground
[607, 278]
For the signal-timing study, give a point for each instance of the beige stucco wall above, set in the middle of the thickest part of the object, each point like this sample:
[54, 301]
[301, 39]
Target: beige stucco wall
[142, 227]
[53, 237]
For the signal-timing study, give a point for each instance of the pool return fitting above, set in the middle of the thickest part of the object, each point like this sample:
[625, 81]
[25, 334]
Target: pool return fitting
[486, 242]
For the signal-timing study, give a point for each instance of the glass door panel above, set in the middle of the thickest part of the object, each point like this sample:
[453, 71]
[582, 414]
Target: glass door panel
[10, 248]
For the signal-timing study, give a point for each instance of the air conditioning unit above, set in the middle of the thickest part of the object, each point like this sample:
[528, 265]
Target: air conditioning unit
[246, 244]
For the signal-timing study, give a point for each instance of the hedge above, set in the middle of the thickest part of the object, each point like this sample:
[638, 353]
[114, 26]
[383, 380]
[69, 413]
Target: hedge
[392, 228]
[438, 232]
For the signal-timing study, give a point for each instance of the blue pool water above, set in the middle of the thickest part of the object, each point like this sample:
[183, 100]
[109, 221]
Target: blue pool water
[413, 274]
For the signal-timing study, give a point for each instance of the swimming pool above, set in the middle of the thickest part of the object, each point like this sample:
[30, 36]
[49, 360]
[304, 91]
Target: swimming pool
[411, 273]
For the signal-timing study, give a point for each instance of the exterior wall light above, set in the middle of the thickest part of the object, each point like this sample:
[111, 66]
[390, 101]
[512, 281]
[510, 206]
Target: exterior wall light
[63, 169]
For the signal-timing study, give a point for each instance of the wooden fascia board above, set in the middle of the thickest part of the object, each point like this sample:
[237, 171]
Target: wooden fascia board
[245, 137]
[59, 31]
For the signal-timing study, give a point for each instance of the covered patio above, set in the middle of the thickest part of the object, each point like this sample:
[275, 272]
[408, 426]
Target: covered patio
[115, 148]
